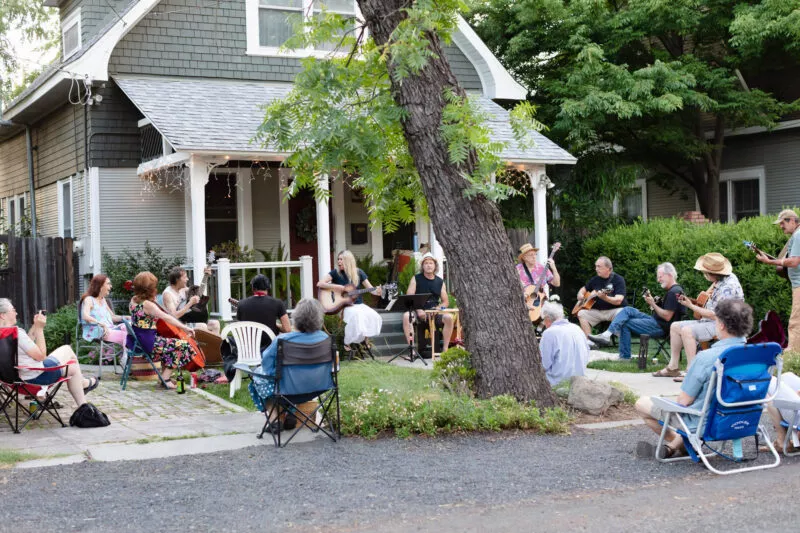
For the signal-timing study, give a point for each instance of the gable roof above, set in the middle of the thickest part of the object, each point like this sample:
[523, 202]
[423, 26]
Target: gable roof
[201, 115]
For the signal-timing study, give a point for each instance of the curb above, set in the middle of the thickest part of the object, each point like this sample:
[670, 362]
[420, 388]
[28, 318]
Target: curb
[216, 399]
[611, 425]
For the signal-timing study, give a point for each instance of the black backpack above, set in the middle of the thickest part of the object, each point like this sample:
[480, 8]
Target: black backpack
[88, 416]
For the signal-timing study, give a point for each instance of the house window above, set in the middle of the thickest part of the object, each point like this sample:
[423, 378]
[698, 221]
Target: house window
[632, 203]
[742, 194]
[71, 33]
[65, 212]
[15, 213]
[270, 23]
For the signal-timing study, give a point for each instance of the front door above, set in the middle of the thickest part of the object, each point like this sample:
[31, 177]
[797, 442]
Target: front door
[303, 227]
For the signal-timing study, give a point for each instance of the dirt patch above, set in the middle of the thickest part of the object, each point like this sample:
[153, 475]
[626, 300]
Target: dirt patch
[618, 412]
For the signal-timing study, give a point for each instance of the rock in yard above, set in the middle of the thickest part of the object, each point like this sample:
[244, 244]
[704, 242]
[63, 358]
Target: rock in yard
[591, 396]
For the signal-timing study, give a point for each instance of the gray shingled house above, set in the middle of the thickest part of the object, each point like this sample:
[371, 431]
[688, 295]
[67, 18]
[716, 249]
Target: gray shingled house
[142, 130]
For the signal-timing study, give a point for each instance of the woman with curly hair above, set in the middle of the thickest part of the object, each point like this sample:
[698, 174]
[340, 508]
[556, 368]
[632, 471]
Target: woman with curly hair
[145, 312]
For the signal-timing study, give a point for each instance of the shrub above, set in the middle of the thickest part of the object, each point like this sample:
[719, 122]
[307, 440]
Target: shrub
[60, 328]
[636, 251]
[128, 263]
[454, 371]
[404, 278]
[791, 362]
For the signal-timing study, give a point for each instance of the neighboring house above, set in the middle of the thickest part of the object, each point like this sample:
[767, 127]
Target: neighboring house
[142, 131]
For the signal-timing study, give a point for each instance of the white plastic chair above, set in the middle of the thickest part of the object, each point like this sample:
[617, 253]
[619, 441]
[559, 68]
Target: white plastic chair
[247, 336]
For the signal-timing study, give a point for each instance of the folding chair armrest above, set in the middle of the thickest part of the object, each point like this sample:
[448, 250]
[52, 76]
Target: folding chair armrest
[793, 405]
[247, 369]
[48, 369]
[673, 407]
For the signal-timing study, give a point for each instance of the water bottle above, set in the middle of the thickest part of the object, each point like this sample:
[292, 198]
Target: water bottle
[180, 385]
[416, 242]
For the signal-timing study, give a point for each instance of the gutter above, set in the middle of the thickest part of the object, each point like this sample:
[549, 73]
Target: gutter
[29, 149]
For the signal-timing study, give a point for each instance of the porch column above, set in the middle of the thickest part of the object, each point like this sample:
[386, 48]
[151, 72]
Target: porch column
[339, 222]
[540, 183]
[423, 235]
[224, 288]
[437, 252]
[377, 242]
[283, 212]
[306, 277]
[323, 231]
[244, 208]
[198, 177]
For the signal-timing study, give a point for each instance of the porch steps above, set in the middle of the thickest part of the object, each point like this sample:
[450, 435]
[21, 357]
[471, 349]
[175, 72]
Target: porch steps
[391, 340]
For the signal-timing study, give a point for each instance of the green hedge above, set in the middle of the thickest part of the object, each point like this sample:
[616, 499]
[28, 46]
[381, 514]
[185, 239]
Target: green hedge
[637, 250]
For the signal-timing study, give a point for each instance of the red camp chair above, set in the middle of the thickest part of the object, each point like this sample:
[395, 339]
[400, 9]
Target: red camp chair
[12, 386]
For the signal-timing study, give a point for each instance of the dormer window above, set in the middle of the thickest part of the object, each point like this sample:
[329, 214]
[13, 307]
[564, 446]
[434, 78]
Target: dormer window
[270, 23]
[71, 33]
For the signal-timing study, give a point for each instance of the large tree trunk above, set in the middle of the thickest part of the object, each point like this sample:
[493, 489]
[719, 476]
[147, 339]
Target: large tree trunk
[497, 330]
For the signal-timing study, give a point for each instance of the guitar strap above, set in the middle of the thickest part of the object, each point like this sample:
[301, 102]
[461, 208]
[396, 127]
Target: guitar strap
[528, 272]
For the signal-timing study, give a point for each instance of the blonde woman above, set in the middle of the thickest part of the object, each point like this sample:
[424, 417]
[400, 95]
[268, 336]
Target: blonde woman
[361, 321]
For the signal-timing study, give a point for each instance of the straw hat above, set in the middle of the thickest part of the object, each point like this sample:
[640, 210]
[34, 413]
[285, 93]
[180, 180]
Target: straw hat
[786, 213]
[714, 263]
[524, 249]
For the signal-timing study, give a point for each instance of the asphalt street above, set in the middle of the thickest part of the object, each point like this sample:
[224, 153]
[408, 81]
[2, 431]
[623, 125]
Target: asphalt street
[588, 481]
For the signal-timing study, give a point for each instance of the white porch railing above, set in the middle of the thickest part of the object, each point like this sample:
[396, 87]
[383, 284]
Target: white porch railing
[231, 280]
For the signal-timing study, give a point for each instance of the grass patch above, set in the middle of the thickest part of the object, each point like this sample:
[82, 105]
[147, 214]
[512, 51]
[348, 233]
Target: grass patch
[378, 398]
[12, 457]
[627, 365]
[240, 398]
[628, 396]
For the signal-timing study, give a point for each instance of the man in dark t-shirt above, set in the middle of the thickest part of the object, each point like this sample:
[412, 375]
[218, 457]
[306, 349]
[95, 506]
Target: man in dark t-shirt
[428, 282]
[607, 289]
[631, 320]
[264, 309]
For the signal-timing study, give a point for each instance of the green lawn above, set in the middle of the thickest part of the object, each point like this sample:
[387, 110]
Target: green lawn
[629, 365]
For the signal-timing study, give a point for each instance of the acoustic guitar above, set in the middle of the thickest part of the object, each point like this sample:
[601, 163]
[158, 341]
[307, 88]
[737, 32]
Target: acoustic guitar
[199, 311]
[701, 300]
[534, 294]
[781, 271]
[588, 301]
[333, 302]
[646, 294]
[167, 330]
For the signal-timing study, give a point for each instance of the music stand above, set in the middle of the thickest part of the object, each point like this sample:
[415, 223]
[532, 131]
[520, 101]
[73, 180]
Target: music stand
[411, 302]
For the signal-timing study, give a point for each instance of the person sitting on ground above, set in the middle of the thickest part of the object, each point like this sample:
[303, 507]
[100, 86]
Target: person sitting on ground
[178, 303]
[733, 321]
[360, 320]
[606, 304]
[631, 320]
[426, 281]
[790, 389]
[308, 321]
[99, 320]
[145, 312]
[264, 309]
[565, 350]
[686, 334]
[32, 352]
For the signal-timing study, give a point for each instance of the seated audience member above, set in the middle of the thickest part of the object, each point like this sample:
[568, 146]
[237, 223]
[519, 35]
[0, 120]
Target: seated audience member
[99, 320]
[32, 352]
[790, 389]
[733, 321]
[686, 334]
[426, 281]
[264, 309]
[565, 350]
[631, 320]
[308, 321]
[178, 303]
[145, 313]
[606, 306]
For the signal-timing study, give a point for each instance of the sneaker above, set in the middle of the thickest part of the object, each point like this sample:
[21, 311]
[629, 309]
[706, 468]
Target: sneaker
[603, 339]
[592, 345]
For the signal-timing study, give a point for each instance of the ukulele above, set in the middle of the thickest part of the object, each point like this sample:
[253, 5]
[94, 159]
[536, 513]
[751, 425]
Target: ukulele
[333, 302]
[588, 301]
[781, 271]
[534, 294]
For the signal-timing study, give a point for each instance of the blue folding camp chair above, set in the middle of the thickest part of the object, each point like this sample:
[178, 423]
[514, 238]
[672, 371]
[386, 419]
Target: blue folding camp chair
[137, 350]
[792, 426]
[737, 394]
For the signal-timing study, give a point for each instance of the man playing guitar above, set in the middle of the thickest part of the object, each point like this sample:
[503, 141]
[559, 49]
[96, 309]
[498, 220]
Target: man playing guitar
[789, 259]
[428, 282]
[529, 269]
[178, 303]
[607, 304]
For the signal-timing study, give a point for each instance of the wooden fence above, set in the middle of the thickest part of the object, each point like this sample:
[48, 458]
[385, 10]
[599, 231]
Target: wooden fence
[37, 273]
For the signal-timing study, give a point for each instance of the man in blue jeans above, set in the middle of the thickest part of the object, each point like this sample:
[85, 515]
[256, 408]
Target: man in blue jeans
[631, 320]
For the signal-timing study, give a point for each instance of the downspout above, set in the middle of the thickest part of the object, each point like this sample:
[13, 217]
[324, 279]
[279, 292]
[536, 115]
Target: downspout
[29, 144]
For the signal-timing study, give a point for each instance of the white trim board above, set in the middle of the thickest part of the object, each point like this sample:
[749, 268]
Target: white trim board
[743, 174]
[784, 125]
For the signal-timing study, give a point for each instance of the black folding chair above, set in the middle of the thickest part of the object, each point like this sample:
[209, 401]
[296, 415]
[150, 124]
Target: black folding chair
[304, 372]
[11, 386]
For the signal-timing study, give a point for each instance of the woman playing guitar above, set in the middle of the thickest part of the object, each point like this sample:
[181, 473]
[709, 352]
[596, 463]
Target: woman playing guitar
[145, 313]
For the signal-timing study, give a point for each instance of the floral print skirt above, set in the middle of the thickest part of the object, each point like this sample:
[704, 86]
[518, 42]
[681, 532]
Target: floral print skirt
[173, 353]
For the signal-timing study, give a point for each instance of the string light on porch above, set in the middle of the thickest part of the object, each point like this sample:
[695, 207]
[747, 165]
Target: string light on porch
[170, 179]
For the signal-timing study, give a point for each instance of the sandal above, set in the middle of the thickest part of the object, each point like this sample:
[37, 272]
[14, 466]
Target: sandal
[678, 379]
[667, 372]
[93, 383]
[668, 452]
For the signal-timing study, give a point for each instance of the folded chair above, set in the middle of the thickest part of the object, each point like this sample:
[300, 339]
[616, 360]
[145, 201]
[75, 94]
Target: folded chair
[304, 372]
[137, 350]
[247, 337]
[737, 394]
[12, 386]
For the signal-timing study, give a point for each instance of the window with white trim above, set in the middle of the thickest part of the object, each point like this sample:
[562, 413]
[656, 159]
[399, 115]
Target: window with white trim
[71, 33]
[270, 23]
[742, 194]
[65, 209]
[15, 212]
[632, 203]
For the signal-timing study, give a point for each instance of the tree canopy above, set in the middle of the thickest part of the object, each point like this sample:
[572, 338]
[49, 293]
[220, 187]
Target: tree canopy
[648, 86]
